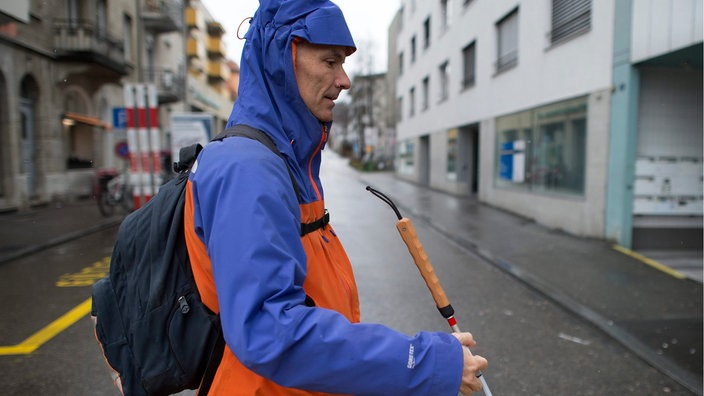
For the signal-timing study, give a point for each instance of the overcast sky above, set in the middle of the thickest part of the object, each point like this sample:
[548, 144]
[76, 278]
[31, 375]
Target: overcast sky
[368, 20]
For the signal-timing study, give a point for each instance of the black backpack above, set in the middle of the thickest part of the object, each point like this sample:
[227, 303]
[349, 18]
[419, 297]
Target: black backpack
[151, 324]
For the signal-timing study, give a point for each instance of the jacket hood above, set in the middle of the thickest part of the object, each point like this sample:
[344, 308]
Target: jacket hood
[269, 97]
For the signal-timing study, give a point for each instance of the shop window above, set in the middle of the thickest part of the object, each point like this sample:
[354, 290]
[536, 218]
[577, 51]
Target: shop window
[406, 160]
[544, 149]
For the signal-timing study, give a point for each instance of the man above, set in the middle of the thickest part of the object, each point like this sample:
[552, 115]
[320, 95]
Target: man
[288, 303]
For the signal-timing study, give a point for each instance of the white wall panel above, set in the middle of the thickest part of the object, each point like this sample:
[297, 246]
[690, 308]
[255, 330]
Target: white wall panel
[661, 26]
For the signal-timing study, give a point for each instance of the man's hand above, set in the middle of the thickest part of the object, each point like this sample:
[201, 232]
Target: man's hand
[473, 365]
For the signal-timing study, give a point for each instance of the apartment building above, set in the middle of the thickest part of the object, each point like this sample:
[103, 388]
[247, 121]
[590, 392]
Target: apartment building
[63, 67]
[208, 69]
[369, 132]
[584, 115]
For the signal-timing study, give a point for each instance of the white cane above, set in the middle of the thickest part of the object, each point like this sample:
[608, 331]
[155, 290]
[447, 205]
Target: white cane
[409, 236]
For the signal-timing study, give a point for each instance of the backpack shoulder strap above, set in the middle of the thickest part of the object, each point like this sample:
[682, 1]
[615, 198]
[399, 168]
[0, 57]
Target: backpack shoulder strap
[255, 134]
[186, 157]
[248, 132]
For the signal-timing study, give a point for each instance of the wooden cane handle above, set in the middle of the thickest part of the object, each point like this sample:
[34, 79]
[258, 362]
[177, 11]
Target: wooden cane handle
[408, 234]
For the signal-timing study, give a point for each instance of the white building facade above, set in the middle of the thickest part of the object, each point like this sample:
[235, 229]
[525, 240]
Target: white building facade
[513, 101]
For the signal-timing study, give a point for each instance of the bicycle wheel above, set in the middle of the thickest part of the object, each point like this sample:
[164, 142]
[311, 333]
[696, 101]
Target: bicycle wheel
[126, 199]
[106, 207]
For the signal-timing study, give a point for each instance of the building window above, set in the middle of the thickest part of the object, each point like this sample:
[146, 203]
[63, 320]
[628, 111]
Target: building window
[543, 149]
[127, 37]
[426, 33]
[73, 14]
[426, 93]
[413, 49]
[570, 18]
[445, 15]
[507, 50]
[451, 170]
[101, 19]
[469, 72]
[400, 63]
[412, 102]
[399, 110]
[444, 72]
[467, 2]
[406, 161]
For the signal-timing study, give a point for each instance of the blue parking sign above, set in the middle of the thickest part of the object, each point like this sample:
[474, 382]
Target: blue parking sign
[119, 118]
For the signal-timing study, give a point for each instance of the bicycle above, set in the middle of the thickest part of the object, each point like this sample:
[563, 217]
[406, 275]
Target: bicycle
[112, 190]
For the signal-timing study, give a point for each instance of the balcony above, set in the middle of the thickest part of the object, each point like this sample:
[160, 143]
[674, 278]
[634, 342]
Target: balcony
[162, 16]
[216, 47]
[191, 17]
[215, 29]
[169, 84]
[194, 48]
[82, 41]
[218, 72]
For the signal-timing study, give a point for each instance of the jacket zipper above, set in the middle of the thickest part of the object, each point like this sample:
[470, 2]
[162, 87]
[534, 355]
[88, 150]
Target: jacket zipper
[323, 137]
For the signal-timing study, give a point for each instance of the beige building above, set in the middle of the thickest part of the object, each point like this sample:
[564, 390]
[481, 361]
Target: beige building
[63, 65]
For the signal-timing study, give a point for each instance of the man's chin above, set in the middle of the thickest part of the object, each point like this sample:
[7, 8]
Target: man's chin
[325, 116]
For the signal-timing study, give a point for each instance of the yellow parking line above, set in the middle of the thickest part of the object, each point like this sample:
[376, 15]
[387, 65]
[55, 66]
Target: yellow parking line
[50, 331]
[650, 262]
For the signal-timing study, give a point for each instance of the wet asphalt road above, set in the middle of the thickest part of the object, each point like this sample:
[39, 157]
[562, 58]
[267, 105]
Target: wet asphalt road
[534, 347]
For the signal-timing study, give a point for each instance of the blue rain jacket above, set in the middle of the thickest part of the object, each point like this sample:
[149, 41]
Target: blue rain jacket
[251, 264]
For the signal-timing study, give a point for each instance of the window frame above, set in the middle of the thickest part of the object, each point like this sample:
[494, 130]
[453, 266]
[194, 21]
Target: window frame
[425, 100]
[412, 102]
[444, 85]
[507, 29]
[469, 79]
[569, 19]
[414, 52]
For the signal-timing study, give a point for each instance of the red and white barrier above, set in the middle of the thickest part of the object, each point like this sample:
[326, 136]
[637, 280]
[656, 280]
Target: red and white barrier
[143, 140]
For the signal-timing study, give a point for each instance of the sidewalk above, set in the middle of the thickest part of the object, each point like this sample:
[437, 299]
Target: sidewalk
[652, 313]
[25, 232]
[655, 315]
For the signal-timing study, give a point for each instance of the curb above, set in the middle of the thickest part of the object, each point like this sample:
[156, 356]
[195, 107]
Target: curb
[582, 311]
[58, 241]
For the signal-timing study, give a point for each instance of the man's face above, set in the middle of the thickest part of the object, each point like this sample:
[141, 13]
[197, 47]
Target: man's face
[320, 76]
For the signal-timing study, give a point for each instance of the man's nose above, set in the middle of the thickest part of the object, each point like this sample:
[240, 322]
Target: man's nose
[343, 81]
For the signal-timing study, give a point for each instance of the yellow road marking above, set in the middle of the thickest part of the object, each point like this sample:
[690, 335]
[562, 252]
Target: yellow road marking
[87, 276]
[650, 262]
[50, 331]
